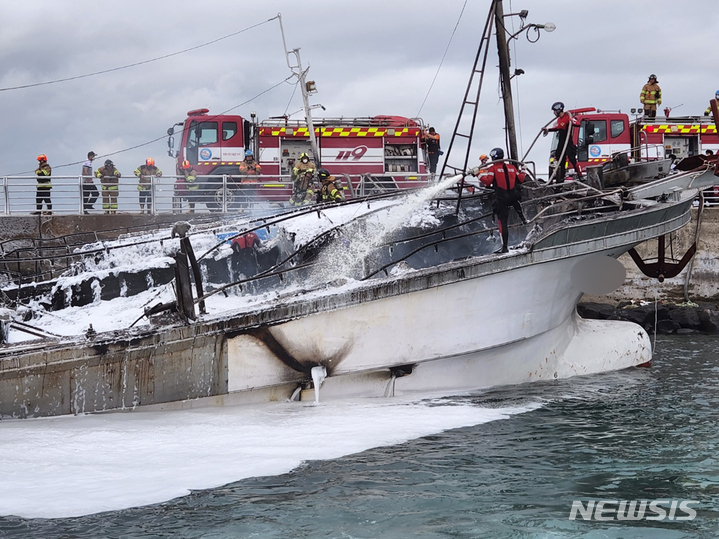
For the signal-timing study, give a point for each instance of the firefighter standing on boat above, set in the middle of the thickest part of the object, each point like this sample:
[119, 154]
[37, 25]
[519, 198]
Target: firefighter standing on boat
[144, 185]
[505, 179]
[303, 189]
[651, 97]
[566, 150]
[42, 193]
[110, 181]
[303, 181]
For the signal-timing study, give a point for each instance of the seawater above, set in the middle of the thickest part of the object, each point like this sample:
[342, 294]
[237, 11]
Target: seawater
[639, 434]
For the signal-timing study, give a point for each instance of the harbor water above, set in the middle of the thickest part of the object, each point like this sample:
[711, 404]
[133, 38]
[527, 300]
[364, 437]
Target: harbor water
[506, 463]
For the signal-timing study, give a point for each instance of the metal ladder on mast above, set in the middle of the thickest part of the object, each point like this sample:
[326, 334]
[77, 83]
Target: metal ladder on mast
[460, 127]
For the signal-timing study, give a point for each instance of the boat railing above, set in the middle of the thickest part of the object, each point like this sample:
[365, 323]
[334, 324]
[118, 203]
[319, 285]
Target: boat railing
[36, 260]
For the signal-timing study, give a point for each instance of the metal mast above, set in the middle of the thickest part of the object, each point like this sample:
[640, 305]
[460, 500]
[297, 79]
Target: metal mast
[305, 86]
[505, 82]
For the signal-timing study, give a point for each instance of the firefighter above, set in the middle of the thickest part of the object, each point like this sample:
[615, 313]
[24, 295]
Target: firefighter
[42, 193]
[562, 127]
[431, 139]
[304, 165]
[110, 180]
[709, 108]
[303, 189]
[331, 188]
[89, 191]
[144, 186]
[505, 179]
[186, 187]
[651, 97]
[250, 167]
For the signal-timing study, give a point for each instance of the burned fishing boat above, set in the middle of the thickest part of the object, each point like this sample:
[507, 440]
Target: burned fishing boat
[377, 297]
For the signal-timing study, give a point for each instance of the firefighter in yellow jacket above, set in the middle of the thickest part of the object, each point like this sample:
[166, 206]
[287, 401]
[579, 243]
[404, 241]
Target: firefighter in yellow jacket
[42, 194]
[303, 166]
[651, 97]
[186, 186]
[110, 181]
[331, 189]
[144, 185]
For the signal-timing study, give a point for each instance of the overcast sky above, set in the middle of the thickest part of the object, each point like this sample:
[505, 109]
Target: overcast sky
[368, 57]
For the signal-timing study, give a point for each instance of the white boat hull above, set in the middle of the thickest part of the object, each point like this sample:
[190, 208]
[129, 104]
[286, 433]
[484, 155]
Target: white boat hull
[509, 327]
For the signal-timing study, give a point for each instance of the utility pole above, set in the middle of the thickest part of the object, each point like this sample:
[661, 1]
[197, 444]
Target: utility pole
[503, 49]
[305, 87]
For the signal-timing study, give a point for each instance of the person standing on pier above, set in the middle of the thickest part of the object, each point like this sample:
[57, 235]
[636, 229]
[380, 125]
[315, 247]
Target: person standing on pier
[42, 194]
[146, 172]
[186, 187]
[505, 179]
[110, 180]
[89, 191]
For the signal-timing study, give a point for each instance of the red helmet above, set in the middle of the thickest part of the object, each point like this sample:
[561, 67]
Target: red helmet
[149, 161]
[185, 164]
[42, 157]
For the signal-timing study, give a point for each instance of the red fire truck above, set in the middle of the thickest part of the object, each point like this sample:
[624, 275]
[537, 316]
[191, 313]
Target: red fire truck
[388, 150]
[599, 135]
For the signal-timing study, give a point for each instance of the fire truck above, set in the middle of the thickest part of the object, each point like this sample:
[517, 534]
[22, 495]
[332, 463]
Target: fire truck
[599, 135]
[380, 152]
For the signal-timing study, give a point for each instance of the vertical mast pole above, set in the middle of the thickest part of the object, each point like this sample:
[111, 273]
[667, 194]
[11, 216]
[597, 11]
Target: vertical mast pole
[300, 74]
[506, 85]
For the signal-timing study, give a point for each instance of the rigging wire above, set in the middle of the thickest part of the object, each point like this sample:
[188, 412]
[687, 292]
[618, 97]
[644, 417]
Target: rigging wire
[160, 137]
[136, 63]
[442, 60]
[291, 98]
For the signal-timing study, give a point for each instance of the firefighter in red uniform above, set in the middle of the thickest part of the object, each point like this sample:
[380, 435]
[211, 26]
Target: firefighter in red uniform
[505, 179]
[564, 121]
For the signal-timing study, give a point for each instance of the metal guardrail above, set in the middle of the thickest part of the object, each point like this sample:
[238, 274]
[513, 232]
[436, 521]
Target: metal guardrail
[167, 195]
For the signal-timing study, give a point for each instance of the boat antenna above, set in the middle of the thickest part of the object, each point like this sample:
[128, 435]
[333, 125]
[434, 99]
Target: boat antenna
[307, 87]
[503, 39]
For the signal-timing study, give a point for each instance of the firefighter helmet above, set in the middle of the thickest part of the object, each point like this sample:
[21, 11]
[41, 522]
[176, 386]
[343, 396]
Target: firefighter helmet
[42, 157]
[304, 156]
[248, 153]
[185, 164]
[323, 174]
[653, 76]
[109, 163]
[483, 157]
[496, 153]
[150, 162]
[558, 107]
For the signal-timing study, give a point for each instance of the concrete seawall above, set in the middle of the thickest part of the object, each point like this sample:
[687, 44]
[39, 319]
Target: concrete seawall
[703, 281]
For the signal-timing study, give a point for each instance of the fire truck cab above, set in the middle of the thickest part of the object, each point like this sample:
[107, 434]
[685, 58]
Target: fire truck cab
[214, 145]
[599, 135]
